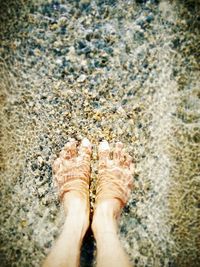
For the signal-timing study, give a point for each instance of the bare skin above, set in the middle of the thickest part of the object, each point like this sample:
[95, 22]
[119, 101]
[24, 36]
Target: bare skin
[113, 191]
[72, 175]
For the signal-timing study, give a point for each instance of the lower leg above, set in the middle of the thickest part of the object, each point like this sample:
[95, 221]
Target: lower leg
[71, 175]
[109, 249]
[66, 251]
[113, 191]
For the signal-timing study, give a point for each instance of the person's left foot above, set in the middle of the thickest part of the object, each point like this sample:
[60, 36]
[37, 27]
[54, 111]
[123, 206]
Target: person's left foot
[72, 176]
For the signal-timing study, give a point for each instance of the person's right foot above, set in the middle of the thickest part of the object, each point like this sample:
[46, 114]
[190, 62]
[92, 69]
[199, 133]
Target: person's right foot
[72, 176]
[115, 180]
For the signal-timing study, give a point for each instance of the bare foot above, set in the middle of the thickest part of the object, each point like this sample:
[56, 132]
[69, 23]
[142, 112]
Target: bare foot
[72, 175]
[115, 180]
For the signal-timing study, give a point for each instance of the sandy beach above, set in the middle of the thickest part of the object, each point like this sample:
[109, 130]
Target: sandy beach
[117, 70]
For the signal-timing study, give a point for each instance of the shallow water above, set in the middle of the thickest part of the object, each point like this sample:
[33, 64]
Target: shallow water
[119, 70]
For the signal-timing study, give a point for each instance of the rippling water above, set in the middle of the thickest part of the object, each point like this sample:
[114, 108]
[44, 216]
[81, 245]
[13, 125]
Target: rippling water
[119, 70]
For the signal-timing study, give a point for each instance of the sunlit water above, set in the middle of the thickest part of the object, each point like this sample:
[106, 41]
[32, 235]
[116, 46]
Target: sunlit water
[115, 70]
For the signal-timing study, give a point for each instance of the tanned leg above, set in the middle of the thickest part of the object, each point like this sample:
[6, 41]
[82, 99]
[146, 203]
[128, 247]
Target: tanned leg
[113, 190]
[72, 174]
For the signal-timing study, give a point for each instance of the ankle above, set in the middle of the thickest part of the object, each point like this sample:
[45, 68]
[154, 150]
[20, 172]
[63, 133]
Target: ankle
[77, 217]
[75, 227]
[75, 205]
[103, 226]
[109, 208]
[105, 218]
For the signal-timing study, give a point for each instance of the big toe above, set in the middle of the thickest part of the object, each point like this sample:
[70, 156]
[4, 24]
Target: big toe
[104, 152]
[85, 149]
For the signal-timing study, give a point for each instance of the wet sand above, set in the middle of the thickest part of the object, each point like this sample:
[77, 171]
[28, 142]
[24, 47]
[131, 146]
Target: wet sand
[116, 70]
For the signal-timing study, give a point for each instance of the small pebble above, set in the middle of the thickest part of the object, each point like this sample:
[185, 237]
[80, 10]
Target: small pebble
[81, 78]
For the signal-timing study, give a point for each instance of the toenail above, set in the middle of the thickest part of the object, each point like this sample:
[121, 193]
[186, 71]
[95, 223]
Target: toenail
[104, 145]
[72, 140]
[85, 142]
[119, 144]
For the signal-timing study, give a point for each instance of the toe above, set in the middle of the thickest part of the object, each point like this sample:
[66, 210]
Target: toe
[132, 168]
[130, 182]
[104, 152]
[117, 153]
[56, 165]
[128, 160]
[85, 149]
[70, 150]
